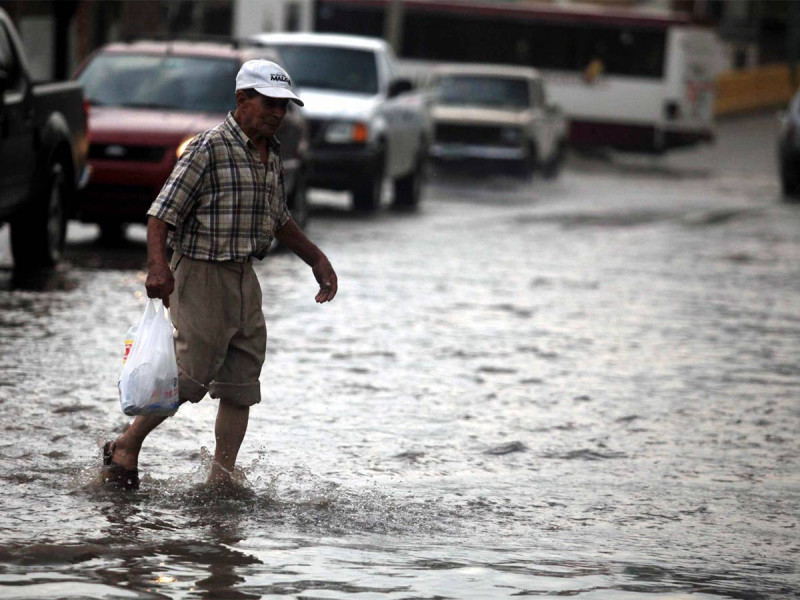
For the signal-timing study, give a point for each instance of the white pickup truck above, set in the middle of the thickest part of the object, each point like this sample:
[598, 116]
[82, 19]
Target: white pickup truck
[364, 124]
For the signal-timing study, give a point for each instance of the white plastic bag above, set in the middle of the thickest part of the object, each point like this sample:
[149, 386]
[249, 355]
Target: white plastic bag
[148, 384]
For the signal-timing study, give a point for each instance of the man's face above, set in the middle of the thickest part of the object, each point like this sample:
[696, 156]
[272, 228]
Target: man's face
[261, 115]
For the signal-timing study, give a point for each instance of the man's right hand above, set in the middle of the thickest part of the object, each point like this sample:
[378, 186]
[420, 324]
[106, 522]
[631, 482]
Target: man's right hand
[160, 282]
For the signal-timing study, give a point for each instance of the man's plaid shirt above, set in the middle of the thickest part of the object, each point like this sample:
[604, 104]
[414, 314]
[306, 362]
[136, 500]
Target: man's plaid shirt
[222, 201]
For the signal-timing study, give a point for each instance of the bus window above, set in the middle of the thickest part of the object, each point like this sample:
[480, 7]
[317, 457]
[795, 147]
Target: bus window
[556, 46]
[335, 17]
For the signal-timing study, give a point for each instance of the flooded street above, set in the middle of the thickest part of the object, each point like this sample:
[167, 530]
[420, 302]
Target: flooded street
[585, 387]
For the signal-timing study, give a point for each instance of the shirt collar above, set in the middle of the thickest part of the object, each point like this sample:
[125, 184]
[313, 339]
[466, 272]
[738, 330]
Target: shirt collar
[237, 131]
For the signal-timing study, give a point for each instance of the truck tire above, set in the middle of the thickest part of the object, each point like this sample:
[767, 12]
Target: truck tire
[37, 235]
[367, 194]
[408, 189]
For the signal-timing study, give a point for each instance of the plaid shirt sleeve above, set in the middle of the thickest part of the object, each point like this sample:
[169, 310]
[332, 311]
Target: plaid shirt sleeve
[181, 189]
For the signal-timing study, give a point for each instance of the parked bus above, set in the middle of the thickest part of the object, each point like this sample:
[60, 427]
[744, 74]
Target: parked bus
[628, 79]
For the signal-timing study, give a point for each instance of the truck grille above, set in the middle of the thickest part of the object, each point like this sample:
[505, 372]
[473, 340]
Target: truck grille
[469, 134]
[132, 153]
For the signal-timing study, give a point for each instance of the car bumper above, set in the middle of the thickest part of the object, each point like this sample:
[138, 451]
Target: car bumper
[456, 152]
[341, 168]
[121, 190]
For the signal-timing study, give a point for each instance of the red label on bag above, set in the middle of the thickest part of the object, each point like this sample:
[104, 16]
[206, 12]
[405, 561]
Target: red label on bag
[128, 344]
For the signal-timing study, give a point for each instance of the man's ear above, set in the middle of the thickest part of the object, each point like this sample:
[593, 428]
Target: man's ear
[241, 97]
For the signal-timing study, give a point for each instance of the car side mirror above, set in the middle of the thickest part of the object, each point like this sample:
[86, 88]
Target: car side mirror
[400, 86]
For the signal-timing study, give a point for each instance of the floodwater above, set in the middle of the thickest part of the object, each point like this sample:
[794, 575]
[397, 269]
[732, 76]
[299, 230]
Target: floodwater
[584, 388]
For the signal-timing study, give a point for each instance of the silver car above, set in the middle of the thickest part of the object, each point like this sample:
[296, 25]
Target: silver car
[496, 115]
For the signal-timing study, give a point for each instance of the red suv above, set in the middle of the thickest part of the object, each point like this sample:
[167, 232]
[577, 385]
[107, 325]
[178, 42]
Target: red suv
[147, 100]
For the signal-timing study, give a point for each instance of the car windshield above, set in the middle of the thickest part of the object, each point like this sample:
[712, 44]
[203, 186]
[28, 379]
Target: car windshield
[328, 68]
[182, 83]
[473, 90]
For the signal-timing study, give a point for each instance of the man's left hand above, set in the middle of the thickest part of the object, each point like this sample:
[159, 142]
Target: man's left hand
[326, 277]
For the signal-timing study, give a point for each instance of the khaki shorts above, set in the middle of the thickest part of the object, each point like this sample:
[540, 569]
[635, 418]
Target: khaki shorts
[221, 336]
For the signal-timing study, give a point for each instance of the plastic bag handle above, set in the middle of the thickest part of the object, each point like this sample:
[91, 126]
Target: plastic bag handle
[157, 307]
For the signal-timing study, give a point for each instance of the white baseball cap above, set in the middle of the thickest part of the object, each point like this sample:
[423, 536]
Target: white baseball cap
[267, 78]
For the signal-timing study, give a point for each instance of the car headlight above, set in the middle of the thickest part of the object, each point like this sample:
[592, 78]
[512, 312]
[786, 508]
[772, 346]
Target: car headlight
[183, 145]
[343, 132]
[510, 135]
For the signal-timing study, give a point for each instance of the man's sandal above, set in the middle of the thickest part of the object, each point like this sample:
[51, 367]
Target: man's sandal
[114, 474]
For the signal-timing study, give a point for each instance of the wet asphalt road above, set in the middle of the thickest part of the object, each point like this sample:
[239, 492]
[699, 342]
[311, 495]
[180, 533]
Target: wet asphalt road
[586, 386]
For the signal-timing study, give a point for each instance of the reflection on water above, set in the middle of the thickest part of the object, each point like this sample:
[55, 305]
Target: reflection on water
[87, 252]
[58, 279]
[580, 388]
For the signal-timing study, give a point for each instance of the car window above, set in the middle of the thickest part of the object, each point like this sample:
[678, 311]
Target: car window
[326, 68]
[183, 83]
[472, 90]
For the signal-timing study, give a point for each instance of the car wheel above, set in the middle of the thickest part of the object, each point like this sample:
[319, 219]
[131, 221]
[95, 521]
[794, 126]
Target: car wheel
[112, 232]
[298, 201]
[408, 189]
[37, 235]
[367, 195]
[527, 166]
[552, 167]
[789, 181]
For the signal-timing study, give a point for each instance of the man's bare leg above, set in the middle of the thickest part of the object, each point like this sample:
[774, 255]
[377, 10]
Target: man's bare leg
[229, 431]
[129, 444]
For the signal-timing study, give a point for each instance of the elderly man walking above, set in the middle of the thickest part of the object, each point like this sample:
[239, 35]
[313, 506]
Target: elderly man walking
[220, 208]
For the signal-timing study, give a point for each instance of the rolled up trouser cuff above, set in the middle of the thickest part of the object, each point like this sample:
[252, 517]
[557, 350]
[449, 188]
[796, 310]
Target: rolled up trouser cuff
[242, 394]
[189, 389]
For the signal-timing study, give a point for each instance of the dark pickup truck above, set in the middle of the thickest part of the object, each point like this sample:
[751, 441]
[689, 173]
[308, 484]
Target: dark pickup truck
[43, 148]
